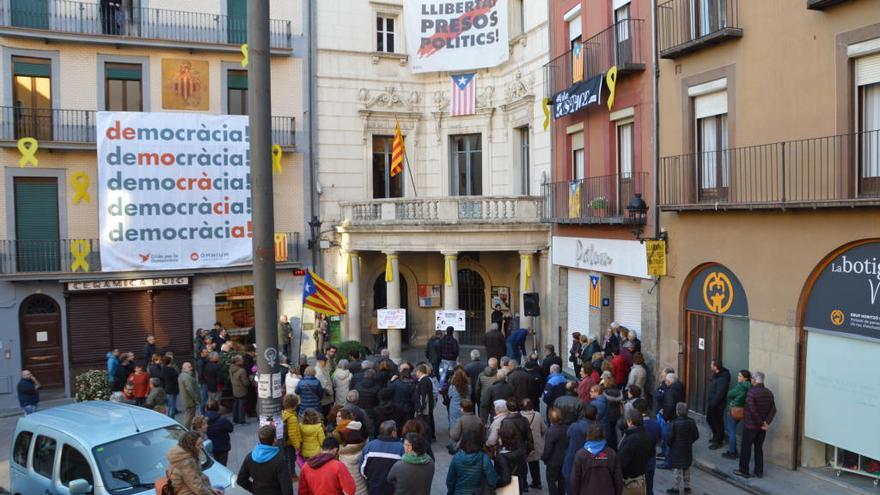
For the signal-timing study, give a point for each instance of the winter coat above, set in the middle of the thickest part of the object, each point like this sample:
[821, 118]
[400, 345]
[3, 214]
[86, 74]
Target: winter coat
[634, 452]
[219, 429]
[378, 458]
[500, 390]
[523, 429]
[473, 370]
[537, 382]
[323, 376]
[385, 411]
[548, 362]
[613, 412]
[611, 345]
[496, 345]
[555, 445]
[577, 435]
[760, 407]
[28, 394]
[736, 396]
[404, 395]
[594, 474]
[487, 378]
[189, 390]
[324, 475]
[341, 385]
[238, 377]
[638, 375]
[291, 427]
[570, 407]
[170, 378]
[469, 472]
[350, 456]
[584, 390]
[412, 474]
[536, 424]
[121, 375]
[368, 394]
[683, 434]
[719, 383]
[155, 371]
[112, 364]
[310, 392]
[213, 378]
[424, 396]
[186, 474]
[672, 396]
[492, 437]
[156, 397]
[149, 350]
[554, 388]
[467, 422]
[509, 463]
[312, 437]
[522, 383]
[432, 352]
[455, 403]
[619, 369]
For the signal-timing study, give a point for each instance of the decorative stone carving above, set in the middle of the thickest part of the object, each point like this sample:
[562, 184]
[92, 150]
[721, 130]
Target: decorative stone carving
[441, 101]
[388, 99]
[520, 87]
[485, 96]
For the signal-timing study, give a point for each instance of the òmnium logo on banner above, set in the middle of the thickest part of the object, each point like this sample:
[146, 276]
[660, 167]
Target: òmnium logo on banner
[448, 35]
[175, 190]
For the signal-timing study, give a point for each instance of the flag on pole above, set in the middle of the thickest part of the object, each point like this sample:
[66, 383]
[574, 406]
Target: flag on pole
[577, 62]
[397, 152]
[321, 297]
[464, 95]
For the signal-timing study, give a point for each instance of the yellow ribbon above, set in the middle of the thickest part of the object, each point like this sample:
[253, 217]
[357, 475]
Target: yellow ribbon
[280, 247]
[80, 249]
[389, 272]
[611, 81]
[348, 273]
[80, 183]
[447, 272]
[527, 275]
[276, 158]
[545, 105]
[244, 55]
[28, 147]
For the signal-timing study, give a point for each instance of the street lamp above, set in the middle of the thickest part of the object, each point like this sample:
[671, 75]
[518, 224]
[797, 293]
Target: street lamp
[637, 215]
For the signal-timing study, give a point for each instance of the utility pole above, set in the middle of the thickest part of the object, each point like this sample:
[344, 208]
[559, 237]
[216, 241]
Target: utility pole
[263, 215]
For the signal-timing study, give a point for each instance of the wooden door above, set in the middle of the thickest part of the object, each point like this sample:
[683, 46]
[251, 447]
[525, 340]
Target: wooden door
[41, 343]
[703, 345]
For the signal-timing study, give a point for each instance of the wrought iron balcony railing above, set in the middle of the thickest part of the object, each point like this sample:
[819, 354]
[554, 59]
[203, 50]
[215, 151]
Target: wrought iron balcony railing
[688, 25]
[594, 200]
[842, 170]
[106, 23]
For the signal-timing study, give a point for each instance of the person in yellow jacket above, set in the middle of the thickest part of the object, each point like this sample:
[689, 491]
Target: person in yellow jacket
[312, 433]
[291, 430]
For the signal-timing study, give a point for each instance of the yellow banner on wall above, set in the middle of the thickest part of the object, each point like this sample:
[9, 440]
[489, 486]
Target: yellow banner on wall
[656, 253]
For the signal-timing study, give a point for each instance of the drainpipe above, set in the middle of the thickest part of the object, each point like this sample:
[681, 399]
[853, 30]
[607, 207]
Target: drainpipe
[655, 62]
[313, 213]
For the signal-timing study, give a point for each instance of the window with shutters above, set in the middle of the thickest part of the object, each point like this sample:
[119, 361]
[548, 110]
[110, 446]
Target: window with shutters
[123, 87]
[625, 152]
[385, 186]
[868, 123]
[32, 97]
[577, 155]
[236, 92]
[37, 242]
[710, 131]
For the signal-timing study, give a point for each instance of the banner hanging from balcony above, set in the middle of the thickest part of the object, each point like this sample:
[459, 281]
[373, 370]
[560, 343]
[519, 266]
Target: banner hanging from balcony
[456, 35]
[579, 96]
[174, 190]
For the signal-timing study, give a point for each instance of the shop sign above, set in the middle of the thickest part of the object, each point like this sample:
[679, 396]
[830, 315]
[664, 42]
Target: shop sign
[655, 249]
[579, 96]
[717, 290]
[611, 256]
[136, 283]
[846, 296]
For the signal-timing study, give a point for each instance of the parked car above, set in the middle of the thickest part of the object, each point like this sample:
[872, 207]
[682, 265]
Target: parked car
[99, 448]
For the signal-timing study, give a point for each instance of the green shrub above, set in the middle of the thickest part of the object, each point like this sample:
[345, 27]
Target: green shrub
[344, 349]
[92, 385]
[599, 203]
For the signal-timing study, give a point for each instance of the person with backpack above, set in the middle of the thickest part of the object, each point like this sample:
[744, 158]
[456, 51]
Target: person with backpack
[185, 476]
[510, 460]
[264, 470]
[323, 474]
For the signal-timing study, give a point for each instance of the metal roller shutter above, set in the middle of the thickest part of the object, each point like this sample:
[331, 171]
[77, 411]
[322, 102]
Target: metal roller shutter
[132, 321]
[578, 306]
[88, 328]
[172, 321]
[628, 304]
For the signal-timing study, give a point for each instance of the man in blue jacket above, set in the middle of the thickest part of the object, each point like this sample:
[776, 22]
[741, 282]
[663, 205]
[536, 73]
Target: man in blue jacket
[379, 456]
[516, 344]
[264, 470]
[28, 392]
[219, 429]
[112, 364]
[555, 386]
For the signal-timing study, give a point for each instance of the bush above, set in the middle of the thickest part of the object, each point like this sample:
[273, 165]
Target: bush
[92, 385]
[344, 349]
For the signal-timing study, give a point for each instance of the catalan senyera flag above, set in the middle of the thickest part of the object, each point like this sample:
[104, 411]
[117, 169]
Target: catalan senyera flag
[577, 62]
[321, 297]
[397, 151]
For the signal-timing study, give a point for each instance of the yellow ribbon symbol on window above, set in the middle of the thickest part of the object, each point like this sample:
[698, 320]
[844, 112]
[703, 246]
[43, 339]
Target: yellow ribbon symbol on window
[80, 249]
[276, 158]
[28, 146]
[80, 184]
[611, 81]
[545, 105]
[244, 55]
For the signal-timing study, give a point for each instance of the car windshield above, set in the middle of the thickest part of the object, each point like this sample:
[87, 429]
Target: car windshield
[132, 464]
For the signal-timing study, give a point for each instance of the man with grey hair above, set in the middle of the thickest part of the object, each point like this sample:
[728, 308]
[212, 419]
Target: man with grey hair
[500, 412]
[379, 456]
[366, 364]
[673, 395]
[157, 396]
[341, 382]
[683, 433]
[759, 413]
[351, 402]
[473, 370]
[484, 386]
[500, 390]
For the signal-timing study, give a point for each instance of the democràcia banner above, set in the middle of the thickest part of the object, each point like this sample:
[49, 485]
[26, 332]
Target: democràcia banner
[174, 190]
[456, 35]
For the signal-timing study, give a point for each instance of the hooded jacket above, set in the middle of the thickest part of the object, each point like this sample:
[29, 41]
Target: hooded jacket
[186, 475]
[341, 385]
[404, 393]
[596, 470]
[324, 475]
[467, 472]
[554, 388]
[219, 429]
[368, 391]
[350, 456]
[378, 458]
[412, 474]
[291, 427]
[312, 439]
[265, 471]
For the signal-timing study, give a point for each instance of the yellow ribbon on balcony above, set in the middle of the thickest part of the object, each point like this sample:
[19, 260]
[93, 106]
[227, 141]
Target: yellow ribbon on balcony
[244, 55]
[28, 147]
[545, 105]
[276, 158]
[349, 275]
[447, 272]
[389, 271]
[527, 271]
[611, 81]
[80, 249]
[80, 184]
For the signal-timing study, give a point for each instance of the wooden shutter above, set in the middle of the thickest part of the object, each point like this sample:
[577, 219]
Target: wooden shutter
[88, 328]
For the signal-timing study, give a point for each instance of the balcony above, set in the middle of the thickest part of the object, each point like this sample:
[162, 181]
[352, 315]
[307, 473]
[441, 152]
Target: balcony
[823, 4]
[833, 171]
[33, 257]
[75, 129]
[88, 22]
[450, 210]
[620, 45]
[685, 26]
[594, 200]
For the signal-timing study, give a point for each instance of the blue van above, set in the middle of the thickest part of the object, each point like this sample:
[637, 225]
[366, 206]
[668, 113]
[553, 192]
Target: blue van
[98, 448]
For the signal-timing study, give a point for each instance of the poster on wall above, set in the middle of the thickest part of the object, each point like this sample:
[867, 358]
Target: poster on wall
[501, 297]
[454, 35]
[174, 190]
[454, 319]
[185, 84]
[390, 318]
[429, 296]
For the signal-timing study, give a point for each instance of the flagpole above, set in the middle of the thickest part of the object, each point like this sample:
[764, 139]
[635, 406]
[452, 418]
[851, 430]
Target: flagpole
[411, 177]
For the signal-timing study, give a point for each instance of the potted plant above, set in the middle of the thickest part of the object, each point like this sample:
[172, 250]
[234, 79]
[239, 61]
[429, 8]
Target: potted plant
[91, 385]
[599, 206]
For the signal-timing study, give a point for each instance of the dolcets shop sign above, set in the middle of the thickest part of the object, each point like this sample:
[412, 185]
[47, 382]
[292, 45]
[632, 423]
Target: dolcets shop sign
[846, 296]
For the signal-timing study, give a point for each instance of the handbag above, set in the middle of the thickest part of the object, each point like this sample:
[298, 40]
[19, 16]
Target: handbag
[737, 413]
[163, 486]
[511, 488]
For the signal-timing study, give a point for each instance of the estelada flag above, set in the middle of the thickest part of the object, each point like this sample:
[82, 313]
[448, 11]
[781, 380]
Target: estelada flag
[397, 152]
[321, 297]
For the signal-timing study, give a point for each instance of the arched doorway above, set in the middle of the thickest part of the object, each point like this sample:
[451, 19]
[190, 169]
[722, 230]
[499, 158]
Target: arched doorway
[716, 326]
[41, 344]
[380, 301]
[472, 299]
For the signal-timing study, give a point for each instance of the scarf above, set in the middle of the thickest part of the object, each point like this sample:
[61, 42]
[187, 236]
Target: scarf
[595, 446]
[412, 458]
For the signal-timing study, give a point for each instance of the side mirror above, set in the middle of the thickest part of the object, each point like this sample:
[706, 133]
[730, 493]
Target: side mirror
[79, 487]
[208, 446]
